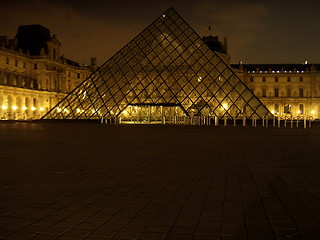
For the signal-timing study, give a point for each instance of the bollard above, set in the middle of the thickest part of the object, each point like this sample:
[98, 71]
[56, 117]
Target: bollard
[285, 122]
[101, 120]
[263, 122]
[291, 122]
[274, 121]
[297, 122]
[216, 123]
[310, 123]
[267, 121]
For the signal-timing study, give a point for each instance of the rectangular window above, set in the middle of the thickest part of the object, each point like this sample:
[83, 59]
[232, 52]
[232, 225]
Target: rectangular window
[24, 65]
[289, 92]
[16, 63]
[35, 66]
[301, 92]
[251, 79]
[288, 79]
[7, 60]
[276, 92]
[276, 79]
[78, 75]
[263, 79]
[264, 92]
[301, 79]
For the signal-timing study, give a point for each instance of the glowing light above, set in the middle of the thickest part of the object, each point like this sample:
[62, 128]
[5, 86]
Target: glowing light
[14, 107]
[164, 15]
[4, 107]
[124, 112]
[225, 106]
[78, 110]
[299, 112]
[24, 108]
[58, 109]
[41, 109]
[33, 108]
[313, 112]
[199, 79]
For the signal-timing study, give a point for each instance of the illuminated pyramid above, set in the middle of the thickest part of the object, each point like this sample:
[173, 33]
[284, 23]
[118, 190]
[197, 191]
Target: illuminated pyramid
[166, 71]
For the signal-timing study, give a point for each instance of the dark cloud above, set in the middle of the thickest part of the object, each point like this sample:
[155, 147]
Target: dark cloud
[258, 31]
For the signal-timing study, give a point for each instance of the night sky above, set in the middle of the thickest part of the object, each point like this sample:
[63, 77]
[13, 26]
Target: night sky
[258, 31]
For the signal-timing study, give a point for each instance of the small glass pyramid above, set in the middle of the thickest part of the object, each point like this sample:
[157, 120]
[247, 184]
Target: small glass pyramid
[166, 71]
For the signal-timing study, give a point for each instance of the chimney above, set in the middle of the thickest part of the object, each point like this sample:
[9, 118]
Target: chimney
[225, 43]
[93, 64]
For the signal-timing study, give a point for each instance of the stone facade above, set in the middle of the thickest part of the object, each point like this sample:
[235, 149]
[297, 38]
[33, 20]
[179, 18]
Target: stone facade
[32, 83]
[288, 90]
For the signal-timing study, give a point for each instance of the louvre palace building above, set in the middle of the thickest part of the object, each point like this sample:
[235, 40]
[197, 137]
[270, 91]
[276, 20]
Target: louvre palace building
[166, 72]
[34, 75]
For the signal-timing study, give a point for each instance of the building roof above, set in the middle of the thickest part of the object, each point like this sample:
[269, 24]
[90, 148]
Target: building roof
[33, 38]
[214, 44]
[262, 68]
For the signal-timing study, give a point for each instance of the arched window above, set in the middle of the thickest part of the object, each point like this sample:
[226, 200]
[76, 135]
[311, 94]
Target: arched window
[301, 109]
[14, 81]
[287, 109]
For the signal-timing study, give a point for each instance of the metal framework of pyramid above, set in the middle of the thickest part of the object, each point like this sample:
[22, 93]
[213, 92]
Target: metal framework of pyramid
[167, 70]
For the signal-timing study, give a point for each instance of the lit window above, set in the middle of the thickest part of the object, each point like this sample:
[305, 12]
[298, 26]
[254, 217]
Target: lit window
[301, 109]
[276, 92]
[287, 109]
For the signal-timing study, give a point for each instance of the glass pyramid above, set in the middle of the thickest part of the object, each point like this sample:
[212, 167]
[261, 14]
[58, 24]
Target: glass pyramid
[166, 71]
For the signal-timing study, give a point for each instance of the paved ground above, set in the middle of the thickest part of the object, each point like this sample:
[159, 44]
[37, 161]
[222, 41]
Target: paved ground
[94, 182]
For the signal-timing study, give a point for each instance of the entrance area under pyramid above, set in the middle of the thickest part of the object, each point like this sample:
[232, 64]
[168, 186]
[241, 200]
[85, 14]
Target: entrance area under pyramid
[167, 72]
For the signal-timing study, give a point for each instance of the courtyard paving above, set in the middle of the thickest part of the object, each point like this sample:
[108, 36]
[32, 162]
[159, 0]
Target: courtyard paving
[81, 181]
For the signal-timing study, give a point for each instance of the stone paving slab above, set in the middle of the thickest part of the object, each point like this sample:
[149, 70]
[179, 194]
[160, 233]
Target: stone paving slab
[124, 182]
